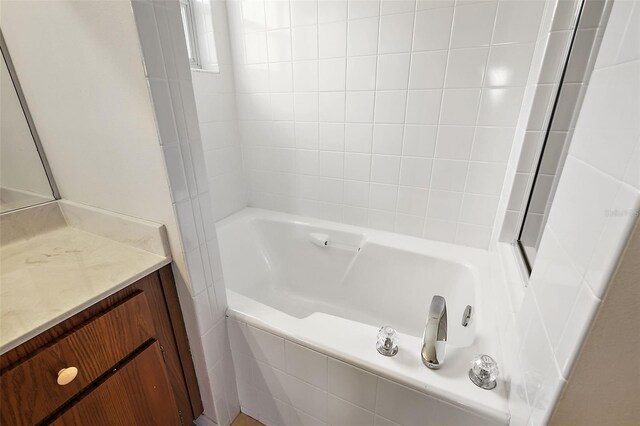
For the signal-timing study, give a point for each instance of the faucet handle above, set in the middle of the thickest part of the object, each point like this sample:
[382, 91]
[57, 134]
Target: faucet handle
[484, 372]
[387, 343]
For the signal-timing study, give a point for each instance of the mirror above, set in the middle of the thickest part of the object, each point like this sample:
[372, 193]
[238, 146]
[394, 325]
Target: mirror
[24, 180]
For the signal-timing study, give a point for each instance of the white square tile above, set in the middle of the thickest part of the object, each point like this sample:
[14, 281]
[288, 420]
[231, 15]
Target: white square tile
[357, 216]
[307, 135]
[277, 14]
[362, 37]
[433, 28]
[266, 347]
[473, 235]
[361, 73]
[485, 178]
[492, 144]
[360, 107]
[393, 71]
[621, 218]
[576, 327]
[305, 76]
[331, 190]
[279, 45]
[332, 106]
[509, 65]
[449, 175]
[331, 164]
[427, 70]
[303, 13]
[280, 77]
[466, 67]
[385, 169]
[387, 139]
[332, 136]
[357, 166]
[332, 74]
[454, 142]
[440, 230]
[356, 193]
[395, 33]
[389, 107]
[332, 10]
[412, 201]
[500, 107]
[305, 364]
[304, 42]
[307, 161]
[255, 46]
[363, 9]
[306, 106]
[415, 172]
[352, 384]
[165, 118]
[282, 107]
[460, 106]
[419, 140]
[518, 22]
[478, 209]
[358, 137]
[382, 220]
[423, 106]
[473, 25]
[342, 412]
[577, 212]
[390, 7]
[332, 39]
[253, 14]
[444, 205]
[175, 170]
[383, 197]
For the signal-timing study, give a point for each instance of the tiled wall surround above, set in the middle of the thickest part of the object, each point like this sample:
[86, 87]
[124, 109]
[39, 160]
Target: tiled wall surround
[283, 383]
[398, 115]
[595, 207]
[204, 300]
[216, 105]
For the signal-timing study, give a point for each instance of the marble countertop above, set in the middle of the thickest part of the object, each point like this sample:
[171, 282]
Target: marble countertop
[51, 275]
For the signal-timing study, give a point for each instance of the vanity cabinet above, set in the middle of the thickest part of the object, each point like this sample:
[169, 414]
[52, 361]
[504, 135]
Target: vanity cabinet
[123, 360]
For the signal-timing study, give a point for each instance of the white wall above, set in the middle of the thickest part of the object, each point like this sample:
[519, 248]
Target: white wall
[397, 115]
[216, 104]
[595, 207]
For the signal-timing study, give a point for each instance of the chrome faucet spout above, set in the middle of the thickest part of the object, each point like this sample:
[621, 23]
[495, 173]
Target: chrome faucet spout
[435, 334]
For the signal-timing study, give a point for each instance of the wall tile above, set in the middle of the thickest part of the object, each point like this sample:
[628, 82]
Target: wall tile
[352, 384]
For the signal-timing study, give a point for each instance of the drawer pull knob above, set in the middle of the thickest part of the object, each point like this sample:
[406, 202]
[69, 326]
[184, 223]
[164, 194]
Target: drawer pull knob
[67, 375]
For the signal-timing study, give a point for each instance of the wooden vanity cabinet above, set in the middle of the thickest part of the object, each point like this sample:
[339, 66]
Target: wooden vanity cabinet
[133, 364]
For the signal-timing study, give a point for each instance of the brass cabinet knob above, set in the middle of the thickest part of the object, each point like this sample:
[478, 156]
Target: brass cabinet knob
[67, 375]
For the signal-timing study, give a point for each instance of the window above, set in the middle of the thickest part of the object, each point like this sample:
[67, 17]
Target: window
[199, 34]
[190, 33]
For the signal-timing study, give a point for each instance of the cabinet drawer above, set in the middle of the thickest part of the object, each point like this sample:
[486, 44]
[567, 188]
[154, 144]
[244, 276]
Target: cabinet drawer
[137, 394]
[29, 390]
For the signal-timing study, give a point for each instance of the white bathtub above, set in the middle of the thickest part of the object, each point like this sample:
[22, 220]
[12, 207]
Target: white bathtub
[332, 298]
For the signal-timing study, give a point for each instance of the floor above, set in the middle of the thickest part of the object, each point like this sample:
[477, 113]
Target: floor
[244, 420]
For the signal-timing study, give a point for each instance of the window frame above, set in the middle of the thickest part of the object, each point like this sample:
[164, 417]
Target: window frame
[189, 26]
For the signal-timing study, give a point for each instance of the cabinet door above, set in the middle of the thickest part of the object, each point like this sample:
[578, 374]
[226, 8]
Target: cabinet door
[138, 393]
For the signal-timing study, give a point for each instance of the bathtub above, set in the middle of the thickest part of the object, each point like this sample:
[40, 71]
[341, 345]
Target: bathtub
[306, 300]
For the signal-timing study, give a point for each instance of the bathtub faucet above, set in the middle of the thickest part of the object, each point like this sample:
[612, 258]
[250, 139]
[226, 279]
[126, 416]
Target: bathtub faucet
[434, 339]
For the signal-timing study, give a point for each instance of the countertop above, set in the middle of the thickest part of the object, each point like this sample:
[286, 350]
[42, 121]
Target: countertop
[62, 269]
